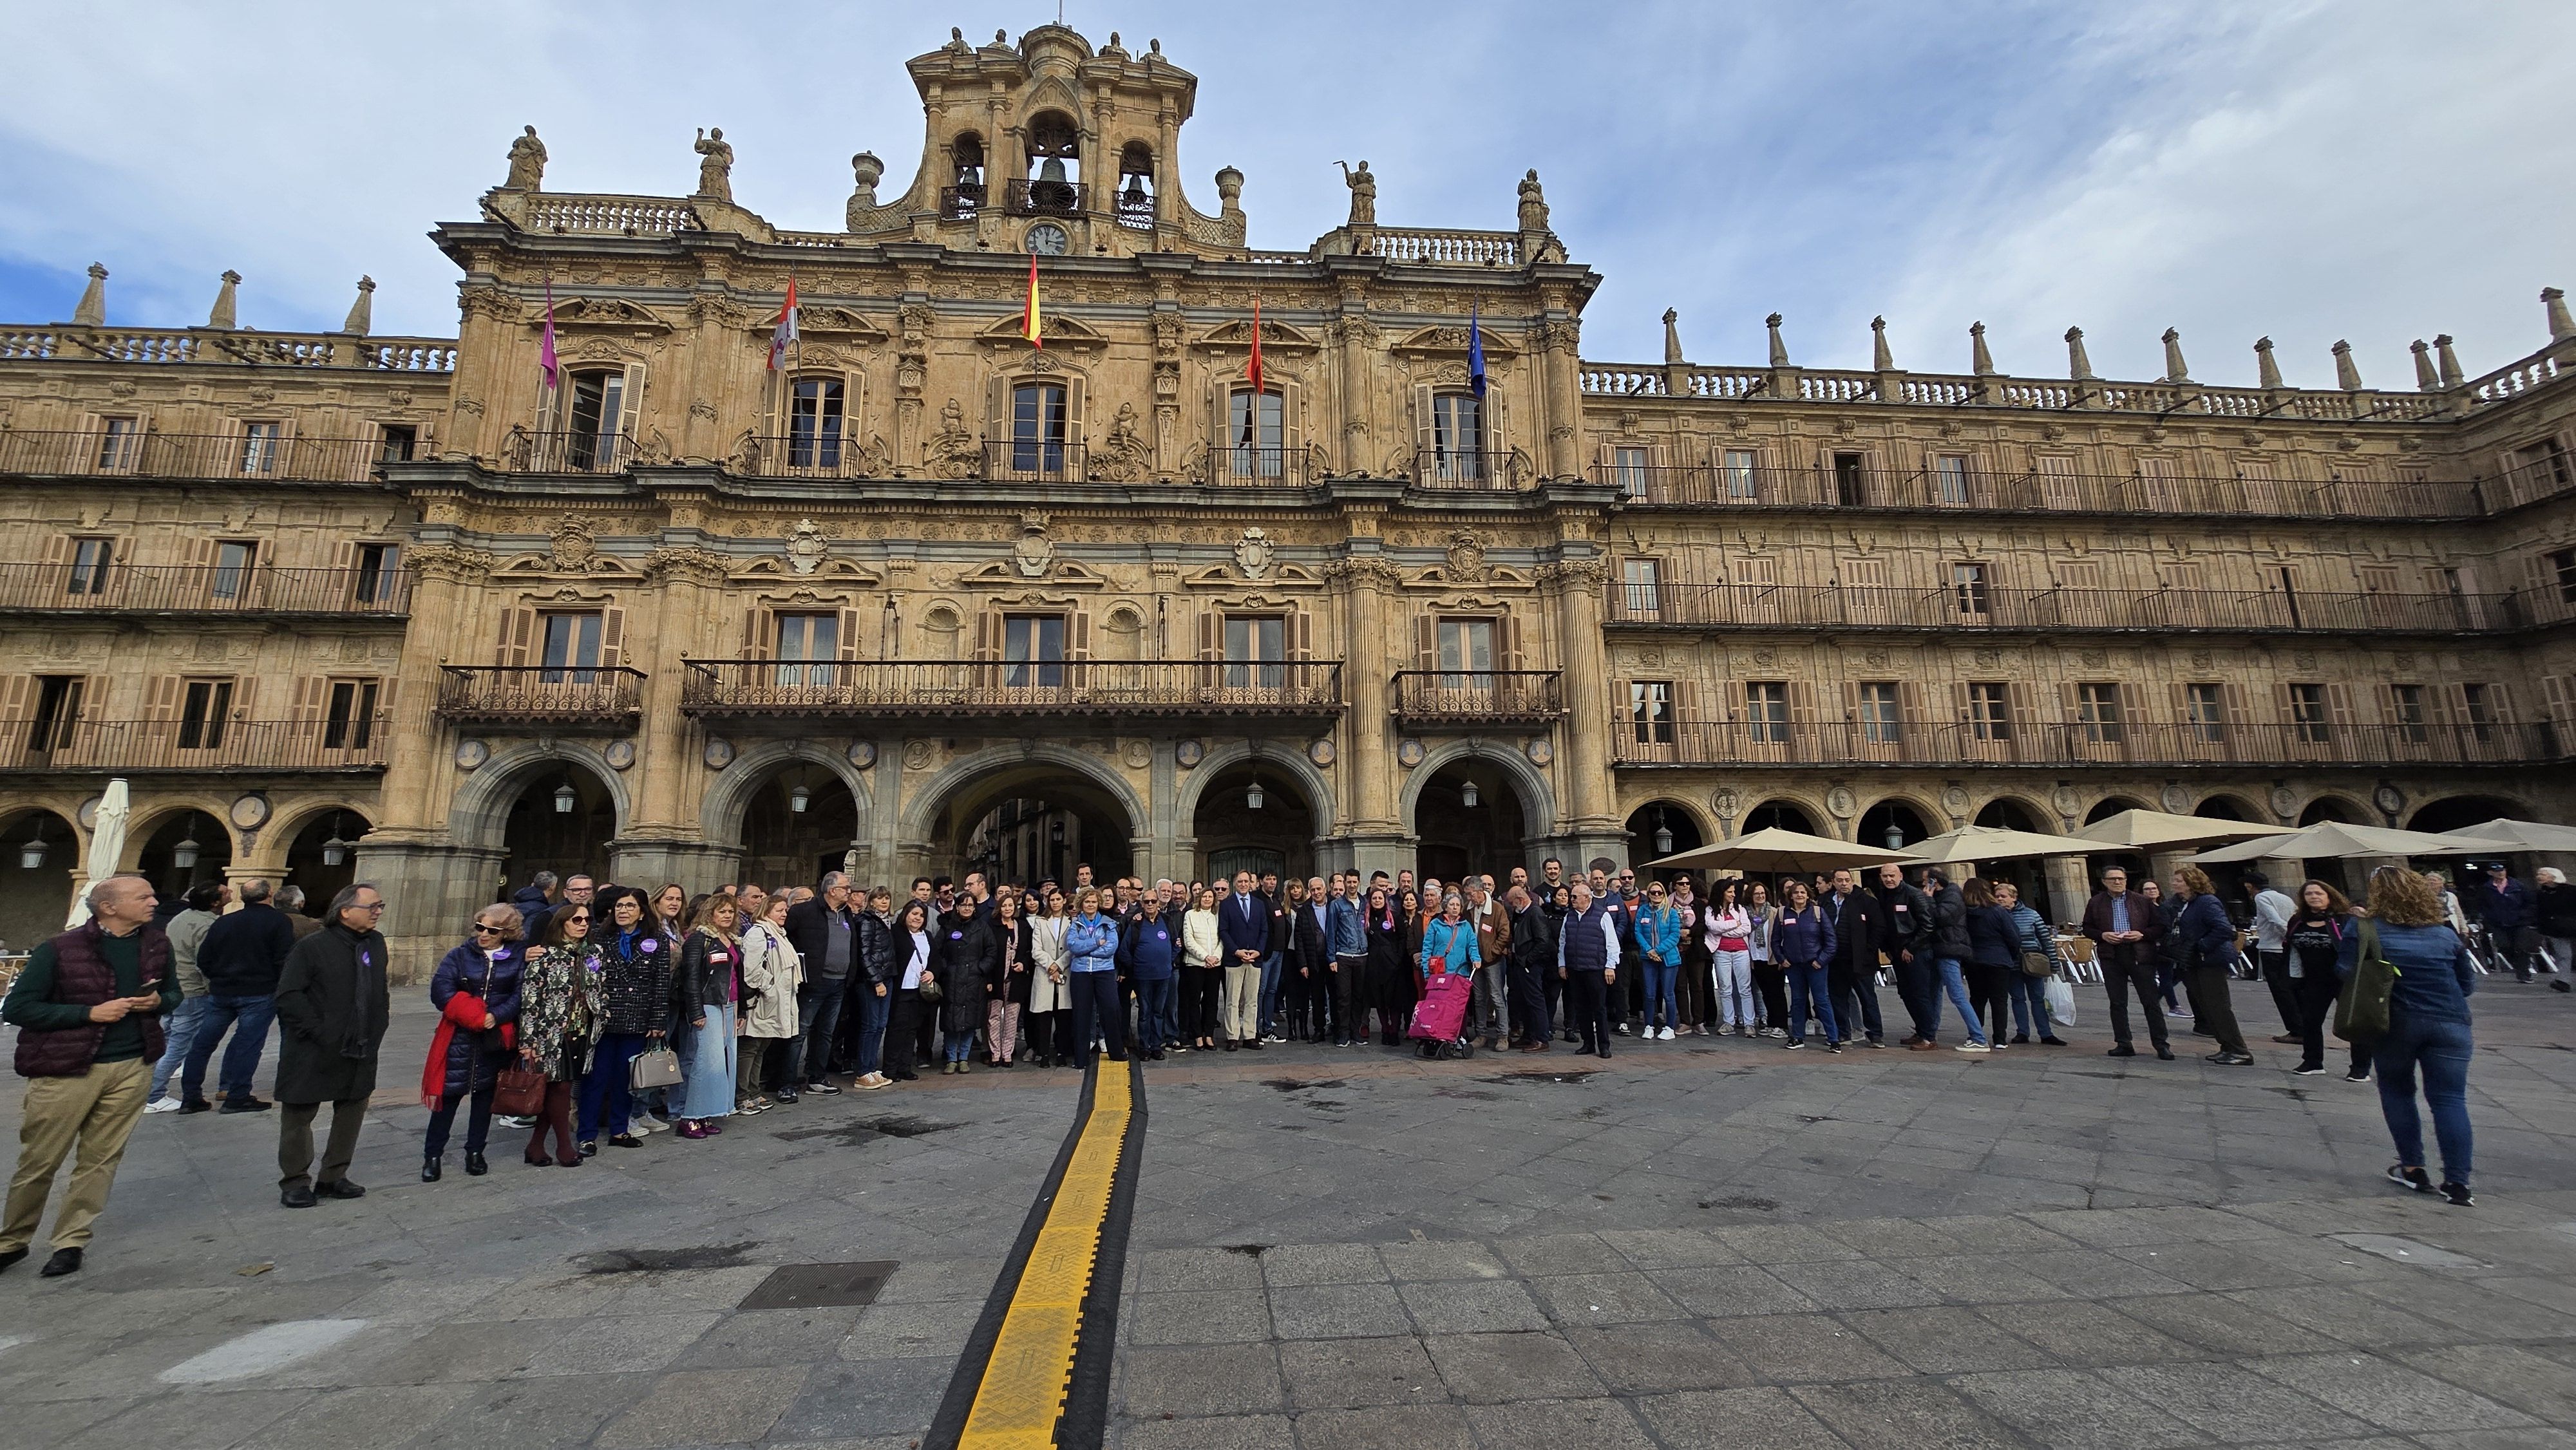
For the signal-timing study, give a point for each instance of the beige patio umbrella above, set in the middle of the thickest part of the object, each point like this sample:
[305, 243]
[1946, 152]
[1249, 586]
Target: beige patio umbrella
[1773, 849]
[2153, 830]
[2525, 835]
[2338, 841]
[1994, 843]
[106, 844]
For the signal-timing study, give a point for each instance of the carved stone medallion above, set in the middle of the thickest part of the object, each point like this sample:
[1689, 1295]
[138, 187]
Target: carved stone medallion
[620, 755]
[1253, 554]
[2177, 799]
[806, 547]
[1409, 753]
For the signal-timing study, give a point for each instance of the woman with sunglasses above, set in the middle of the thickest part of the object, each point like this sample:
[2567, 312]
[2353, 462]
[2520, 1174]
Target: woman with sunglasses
[561, 1015]
[476, 991]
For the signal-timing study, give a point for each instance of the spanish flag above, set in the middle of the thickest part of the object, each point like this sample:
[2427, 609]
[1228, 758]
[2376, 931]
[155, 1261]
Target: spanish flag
[1029, 318]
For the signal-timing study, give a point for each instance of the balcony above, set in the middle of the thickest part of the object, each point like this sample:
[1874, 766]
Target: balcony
[1035, 462]
[1022, 196]
[1978, 608]
[2132, 743]
[1443, 468]
[567, 452]
[806, 455]
[1717, 486]
[1469, 699]
[169, 746]
[960, 203]
[204, 589]
[599, 697]
[144, 453]
[948, 689]
[1243, 466]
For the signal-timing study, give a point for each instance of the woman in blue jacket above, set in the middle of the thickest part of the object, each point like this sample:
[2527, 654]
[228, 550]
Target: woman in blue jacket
[2428, 1027]
[1802, 942]
[1659, 947]
[2203, 941]
[1091, 969]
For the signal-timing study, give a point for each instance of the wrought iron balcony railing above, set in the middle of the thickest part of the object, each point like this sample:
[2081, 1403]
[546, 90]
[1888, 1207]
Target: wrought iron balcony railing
[1448, 468]
[818, 454]
[1244, 466]
[540, 694]
[568, 452]
[117, 588]
[1031, 461]
[184, 745]
[1434, 698]
[2123, 742]
[146, 453]
[1024, 196]
[933, 688]
[1986, 607]
[1702, 485]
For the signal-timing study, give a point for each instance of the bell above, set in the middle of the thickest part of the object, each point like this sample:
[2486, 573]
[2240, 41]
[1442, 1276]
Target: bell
[1136, 191]
[1052, 171]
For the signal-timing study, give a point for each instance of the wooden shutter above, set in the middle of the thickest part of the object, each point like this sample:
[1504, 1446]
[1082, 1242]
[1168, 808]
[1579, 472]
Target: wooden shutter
[756, 633]
[1802, 719]
[1292, 427]
[2070, 699]
[200, 551]
[17, 705]
[1220, 420]
[2181, 692]
[2557, 693]
[2500, 702]
[2285, 704]
[161, 699]
[1073, 386]
[612, 637]
[849, 634]
[1426, 642]
[1077, 635]
[2339, 707]
[1509, 653]
[1911, 726]
[1423, 435]
[630, 409]
[988, 634]
[245, 697]
[997, 411]
[1301, 634]
[2023, 701]
[1498, 434]
[58, 550]
[1962, 709]
[312, 694]
[1211, 634]
[518, 630]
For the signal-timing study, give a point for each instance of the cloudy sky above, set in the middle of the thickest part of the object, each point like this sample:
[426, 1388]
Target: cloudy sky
[2308, 171]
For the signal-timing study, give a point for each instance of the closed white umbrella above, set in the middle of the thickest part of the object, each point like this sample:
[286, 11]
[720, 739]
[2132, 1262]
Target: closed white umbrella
[2339, 841]
[106, 844]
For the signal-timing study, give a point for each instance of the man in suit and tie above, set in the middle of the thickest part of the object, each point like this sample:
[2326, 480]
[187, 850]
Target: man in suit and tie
[1243, 934]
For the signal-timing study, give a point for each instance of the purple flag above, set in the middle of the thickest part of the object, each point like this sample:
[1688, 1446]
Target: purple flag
[546, 359]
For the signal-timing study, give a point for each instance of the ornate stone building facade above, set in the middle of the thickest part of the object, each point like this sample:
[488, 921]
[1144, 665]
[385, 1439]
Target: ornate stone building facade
[922, 595]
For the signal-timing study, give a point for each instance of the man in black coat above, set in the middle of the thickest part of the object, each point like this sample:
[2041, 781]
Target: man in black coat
[1852, 976]
[825, 933]
[241, 958]
[1905, 934]
[334, 1006]
[1533, 949]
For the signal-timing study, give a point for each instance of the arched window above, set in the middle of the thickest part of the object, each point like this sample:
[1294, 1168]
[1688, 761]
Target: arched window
[1053, 186]
[964, 194]
[1136, 186]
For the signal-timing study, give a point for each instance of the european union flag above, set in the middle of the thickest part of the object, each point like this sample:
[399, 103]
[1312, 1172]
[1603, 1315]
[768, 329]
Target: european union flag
[1475, 351]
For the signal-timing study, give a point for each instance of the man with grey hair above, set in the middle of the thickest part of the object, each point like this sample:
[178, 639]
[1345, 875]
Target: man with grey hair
[824, 931]
[88, 1007]
[333, 1003]
[290, 899]
[206, 902]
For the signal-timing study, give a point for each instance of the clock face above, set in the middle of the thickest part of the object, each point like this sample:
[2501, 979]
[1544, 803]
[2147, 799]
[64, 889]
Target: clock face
[1048, 240]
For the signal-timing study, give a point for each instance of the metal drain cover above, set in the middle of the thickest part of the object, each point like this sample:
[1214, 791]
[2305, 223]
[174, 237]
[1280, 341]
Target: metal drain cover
[2406, 1251]
[820, 1286]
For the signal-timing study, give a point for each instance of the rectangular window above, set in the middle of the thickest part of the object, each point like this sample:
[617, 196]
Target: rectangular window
[2547, 462]
[120, 444]
[396, 442]
[814, 423]
[204, 708]
[2097, 710]
[1466, 648]
[807, 643]
[1255, 640]
[1641, 582]
[1650, 711]
[1766, 712]
[2059, 488]
[90, 561]
[1989, 717]
[571, 649]
[2207, 705]
[1255, 433]
[1968, 584]
[2376, 578]
[350, 723]
[58, 709]
[233, 561]
[262, 445]
[1849, 471]
[1881, 719]
[2308, 714]
[1628, 471]
[2480, 704]
[2562, 572]
[598, 408]
[2406, 702]
[379, 573]
[1458, 437]
[1736, 467]
[1949, 479]
[1033, 644]
[1038, 424]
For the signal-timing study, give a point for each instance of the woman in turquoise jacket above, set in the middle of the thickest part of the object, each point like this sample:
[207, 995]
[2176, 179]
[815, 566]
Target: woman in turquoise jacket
[1659, 946]
[1451, 939]
[1091, 969]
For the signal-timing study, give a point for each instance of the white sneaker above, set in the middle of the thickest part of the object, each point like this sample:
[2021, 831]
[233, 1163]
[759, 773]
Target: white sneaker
[162, 1105]
[513, 1120]
[1666, 1035]
[1779, 1031]
[644, 1125]
[1974, 1047]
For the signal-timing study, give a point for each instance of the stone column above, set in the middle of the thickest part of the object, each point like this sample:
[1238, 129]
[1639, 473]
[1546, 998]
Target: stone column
[1369, 810]
[1586, 816]
[2069, 888]
[1564, 410]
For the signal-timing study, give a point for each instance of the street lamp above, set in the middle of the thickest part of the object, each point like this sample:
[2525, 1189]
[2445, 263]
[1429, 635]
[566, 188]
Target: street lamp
[1663, 835]
[1252, 797]
[1895, 836]
[565, 797]
[1467, 795]
[798, 798]
[184, 855]
[334, 850]
[32, 854]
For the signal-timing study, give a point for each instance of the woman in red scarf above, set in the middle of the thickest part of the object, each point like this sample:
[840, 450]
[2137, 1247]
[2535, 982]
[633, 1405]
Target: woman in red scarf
[476, 991]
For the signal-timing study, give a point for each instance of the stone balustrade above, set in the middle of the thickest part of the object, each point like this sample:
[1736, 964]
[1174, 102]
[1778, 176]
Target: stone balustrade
[1448, 248]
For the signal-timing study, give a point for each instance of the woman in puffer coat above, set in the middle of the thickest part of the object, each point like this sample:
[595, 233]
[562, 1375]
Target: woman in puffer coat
[476, 991]
[966, 960]
[771, 975]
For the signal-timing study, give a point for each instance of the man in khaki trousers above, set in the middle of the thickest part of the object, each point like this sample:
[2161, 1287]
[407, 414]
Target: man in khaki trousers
[88, 1008]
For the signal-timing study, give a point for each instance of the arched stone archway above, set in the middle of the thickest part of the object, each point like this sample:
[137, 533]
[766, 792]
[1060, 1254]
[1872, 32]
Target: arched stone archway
[1909, 820]
[2451, 813]
[179, 848]
[977, 810]
[1228, 833]
[36, 899]
[1664, 826]
[479, 813]
[1537, 799]
[792, 809]
[1783, 812]
[320, 835]
[1475, 807]
[729, 798]
[2012, 813]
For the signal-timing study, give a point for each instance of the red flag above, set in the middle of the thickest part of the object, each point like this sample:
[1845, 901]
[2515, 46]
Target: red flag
[1255, 370]
[785, 334]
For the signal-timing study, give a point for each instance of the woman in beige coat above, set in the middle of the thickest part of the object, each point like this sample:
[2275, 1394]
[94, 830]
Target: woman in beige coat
[771, 973]
[1047, 1026]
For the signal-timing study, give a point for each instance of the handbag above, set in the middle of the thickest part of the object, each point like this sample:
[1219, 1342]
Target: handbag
[657, 1068]
[519, 1092]
[2361, 1011]
[2037, 964]
[930, 989]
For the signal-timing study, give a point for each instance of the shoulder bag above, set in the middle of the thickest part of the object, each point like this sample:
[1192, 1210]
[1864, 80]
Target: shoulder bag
[657, 1068]
[2361, 1011]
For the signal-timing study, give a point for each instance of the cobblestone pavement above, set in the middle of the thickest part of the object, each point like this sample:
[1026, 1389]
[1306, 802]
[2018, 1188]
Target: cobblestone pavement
[1693, 1244]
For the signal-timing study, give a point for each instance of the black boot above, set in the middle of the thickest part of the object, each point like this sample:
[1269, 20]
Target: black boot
[476, 1165]
[430, 1168]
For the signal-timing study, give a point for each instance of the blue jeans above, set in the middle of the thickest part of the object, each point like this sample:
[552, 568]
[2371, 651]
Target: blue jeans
[872, 1030]
[1272, 970]
[1153, 1013]
[958, 1046]
[178, 1034]
[248, 1018]
[2027, 991]
[2441, 1049]
[1807, 992]
[1955, 983]
[604, 1091]
[1659, 995]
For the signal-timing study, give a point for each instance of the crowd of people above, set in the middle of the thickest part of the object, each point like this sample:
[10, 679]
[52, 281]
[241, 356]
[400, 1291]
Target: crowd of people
[589, 1014]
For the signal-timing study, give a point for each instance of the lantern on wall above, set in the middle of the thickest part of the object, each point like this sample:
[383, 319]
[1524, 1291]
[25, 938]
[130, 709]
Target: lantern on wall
[1663, 834]
[565, 797]
[799, 798]
[334, 850]
[184, 855]
[32, 854]
[1467, 795]
[1252, 797]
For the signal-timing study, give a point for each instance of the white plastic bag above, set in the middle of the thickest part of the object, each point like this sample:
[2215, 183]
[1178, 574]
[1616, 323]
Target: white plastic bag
[2061, 1002]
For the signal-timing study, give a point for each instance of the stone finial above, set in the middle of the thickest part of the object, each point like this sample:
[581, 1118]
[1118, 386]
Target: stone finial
[2451, 375]
[2267, 373]
[1779, 349]
[1880, 359]
[2078, 366]
[92, 311]
[2561, 326]
[222, 315]
[2347, 372]
[362, 313]
[1672, 335]
[1980, 361]
[2426, 380]
[2175, 369]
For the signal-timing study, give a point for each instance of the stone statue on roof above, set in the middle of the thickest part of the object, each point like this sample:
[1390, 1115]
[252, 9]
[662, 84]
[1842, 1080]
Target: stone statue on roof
[715, 166]
[1363, 194]
[527, 162]
[1533, 203]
